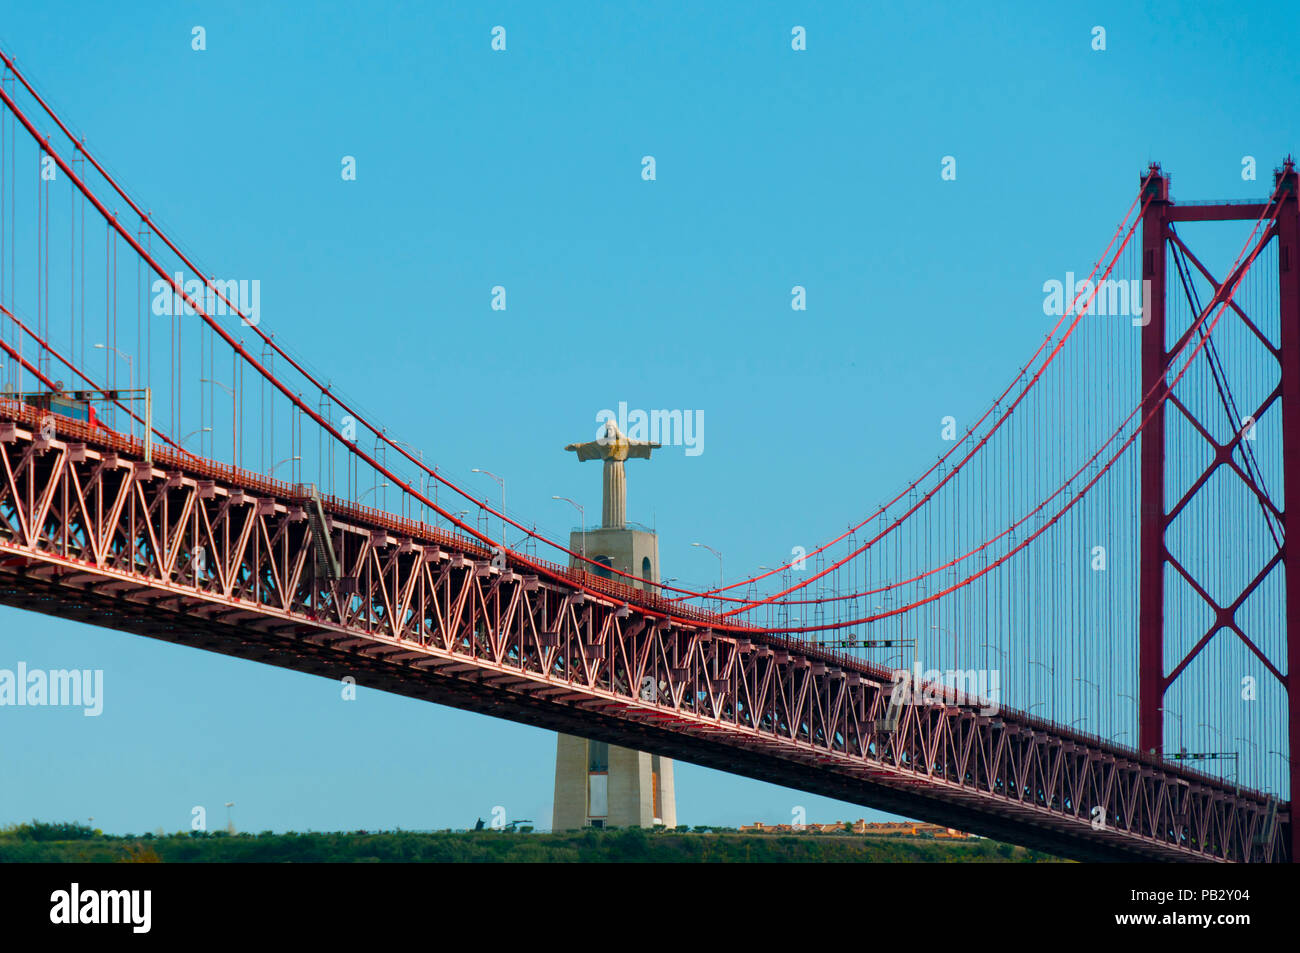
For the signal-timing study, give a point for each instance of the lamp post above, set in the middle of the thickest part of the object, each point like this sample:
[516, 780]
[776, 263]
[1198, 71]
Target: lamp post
[234, 419]
[1051, 675]
[285, 460]
[1217, 731]
[372, 489]
[1080, 678]
[721, 578]
[1280, 755]
[916, 643]
[501, 481]
[951, 634]
[1170, 711]
[1255, 748]
[181, 442]
[130, 370]
[582, 517]
[424, 474]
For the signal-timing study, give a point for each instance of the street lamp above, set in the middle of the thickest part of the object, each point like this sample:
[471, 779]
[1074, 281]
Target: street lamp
[1255, 748]
[1180, 723]
[582, 516]
[951, 634]
[1088, 681]
[424, 474]
[234, 419]
[372, 489]
[181, 442]
[916, 643]
[1217, 731]
[721, 578]
[130, 368]
[503, 501]
[285, 460]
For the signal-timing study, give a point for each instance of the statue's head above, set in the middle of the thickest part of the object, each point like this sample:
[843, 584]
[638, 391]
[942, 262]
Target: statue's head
[613, 442]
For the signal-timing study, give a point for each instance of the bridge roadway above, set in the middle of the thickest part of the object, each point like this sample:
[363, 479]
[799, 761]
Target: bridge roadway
[203, 554]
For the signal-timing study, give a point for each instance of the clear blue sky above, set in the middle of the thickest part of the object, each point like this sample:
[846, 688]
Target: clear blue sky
[775, 168]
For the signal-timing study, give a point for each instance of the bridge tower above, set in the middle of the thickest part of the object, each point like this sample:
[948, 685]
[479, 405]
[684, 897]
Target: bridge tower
[1160, 244]
[599, 784]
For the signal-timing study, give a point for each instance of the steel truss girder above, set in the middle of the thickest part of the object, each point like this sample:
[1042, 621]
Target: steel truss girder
[89, 533]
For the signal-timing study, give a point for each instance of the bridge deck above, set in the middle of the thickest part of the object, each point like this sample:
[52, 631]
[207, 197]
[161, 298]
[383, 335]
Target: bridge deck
[203, 554]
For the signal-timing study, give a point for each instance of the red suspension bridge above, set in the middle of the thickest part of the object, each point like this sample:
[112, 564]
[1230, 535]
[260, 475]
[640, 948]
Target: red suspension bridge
[1102, 547]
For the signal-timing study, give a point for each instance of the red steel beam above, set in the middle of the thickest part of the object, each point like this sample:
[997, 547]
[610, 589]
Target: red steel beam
[1155, 366]
[1288, 251]
[1217, 212]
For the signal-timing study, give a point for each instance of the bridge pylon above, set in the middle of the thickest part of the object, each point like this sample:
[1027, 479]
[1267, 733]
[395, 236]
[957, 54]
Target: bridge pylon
[1161, 661]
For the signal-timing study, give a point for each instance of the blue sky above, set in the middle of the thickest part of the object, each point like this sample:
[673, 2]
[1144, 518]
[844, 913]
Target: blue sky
[775, 168]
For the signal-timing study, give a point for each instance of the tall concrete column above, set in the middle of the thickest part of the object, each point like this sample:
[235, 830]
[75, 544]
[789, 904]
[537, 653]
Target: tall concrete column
[667, 793]
[597, 784]
[570, 807]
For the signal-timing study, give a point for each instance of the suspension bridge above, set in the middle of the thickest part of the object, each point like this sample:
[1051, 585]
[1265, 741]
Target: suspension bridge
[1104, 543]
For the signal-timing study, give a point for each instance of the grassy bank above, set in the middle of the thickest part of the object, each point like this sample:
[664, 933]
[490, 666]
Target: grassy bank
[40, 842]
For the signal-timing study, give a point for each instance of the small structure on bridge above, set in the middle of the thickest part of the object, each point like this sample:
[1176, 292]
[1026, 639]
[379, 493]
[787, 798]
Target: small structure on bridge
[599, 784]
